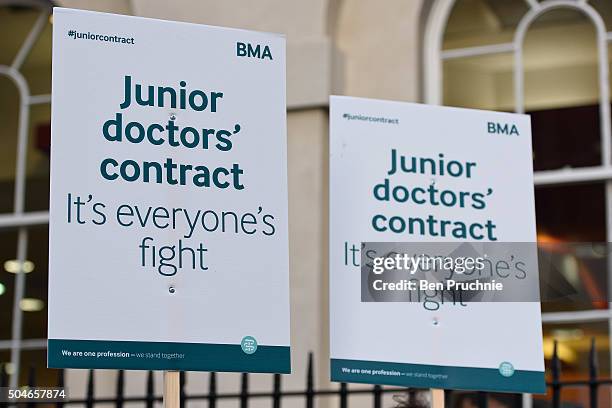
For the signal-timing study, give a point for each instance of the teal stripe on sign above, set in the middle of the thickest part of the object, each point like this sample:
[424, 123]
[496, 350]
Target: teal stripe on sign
[433, 376]
[140, 355]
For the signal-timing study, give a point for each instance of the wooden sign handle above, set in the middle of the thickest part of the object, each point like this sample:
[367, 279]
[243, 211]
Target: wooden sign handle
[172, 387]
[437, 398]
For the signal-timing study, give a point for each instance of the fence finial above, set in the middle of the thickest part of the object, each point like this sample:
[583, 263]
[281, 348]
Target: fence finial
[32, 376]
[310, 383]
[120, 387]
[32, 384]
[60, 378]
[343, 395]
[593, 385]
[377, 391]
[276, 391]
[90, 390]
[212, 390]
[244, 391]
[182, 382]
[60, 384]
[150, 398]
[556, 374]
[3, 375]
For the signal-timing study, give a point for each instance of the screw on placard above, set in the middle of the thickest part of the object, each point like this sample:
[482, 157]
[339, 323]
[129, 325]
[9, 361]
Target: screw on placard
[172, 116]
[171, 289]
[435, 321]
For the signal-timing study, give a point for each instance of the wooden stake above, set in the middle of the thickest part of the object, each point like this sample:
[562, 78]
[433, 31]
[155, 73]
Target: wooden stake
[172, 389]
[437, 398]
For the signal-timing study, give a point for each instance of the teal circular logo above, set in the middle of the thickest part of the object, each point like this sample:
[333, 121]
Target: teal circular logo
[506, 369]
[248, 344]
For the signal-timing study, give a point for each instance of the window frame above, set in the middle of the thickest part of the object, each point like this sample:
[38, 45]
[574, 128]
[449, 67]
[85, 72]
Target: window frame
[433, 58]
[20, 219]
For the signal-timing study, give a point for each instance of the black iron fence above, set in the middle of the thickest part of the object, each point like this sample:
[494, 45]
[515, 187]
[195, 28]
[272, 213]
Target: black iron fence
[406, 398]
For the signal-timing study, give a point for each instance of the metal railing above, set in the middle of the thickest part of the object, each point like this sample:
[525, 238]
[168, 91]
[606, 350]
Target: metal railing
[310, 393]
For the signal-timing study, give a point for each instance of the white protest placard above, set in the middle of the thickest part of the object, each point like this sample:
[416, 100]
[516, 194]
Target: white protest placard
[168, 217]
[445, 178]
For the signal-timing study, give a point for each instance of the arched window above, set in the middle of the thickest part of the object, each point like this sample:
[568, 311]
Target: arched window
[548, 58]
[25, 114]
